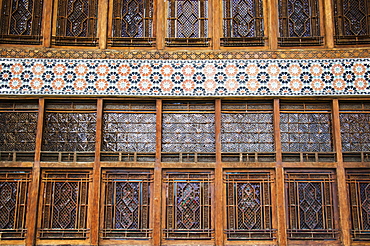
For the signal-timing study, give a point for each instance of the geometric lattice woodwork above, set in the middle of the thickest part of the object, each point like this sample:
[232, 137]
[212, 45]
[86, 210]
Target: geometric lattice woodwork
[18, 121]
[311, 205]
[247, 127]
[306, 127]
[242, 23]
[355, 126]
[248, 205]
[188, 205]
[188, 127]
[129, 127]
[132, 23]
[64, 204]
[187, 23]
[76, 23]
[299, 23]
[69, 126]
[14, 186]
[358, 183]
[21, 21]
[126, 205]
[352, 22]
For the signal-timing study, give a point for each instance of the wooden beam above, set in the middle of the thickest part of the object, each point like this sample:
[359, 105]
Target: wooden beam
[157, 199]
[47, 23]
[94, 205]
[273, 23]
[329, 23]
[219, 199]
[102, 23]
[344, 210]
[215, 22]
[280, 186]
[161, 24]
[33, 199]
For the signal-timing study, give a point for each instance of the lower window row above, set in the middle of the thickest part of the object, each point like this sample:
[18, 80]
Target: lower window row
[187, 204]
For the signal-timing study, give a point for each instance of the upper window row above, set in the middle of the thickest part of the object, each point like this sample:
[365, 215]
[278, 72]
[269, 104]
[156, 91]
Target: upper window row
[188, 22]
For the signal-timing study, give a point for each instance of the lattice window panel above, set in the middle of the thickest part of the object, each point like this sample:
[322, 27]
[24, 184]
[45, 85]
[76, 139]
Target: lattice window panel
[355, 126]
[247, 127]
[69, 126]
[242, 23]
[299, 23]
[14, 185]
[64, 204]
[132, 23]
[76, 23]
[358, 183]
[129, 127]
[21, 21]
[188, 205]
[126, 205]
[352, 21]
[18, 123]
[249, 205]
[188, 127]
[306, 127]
[187, 23]
[311, 209]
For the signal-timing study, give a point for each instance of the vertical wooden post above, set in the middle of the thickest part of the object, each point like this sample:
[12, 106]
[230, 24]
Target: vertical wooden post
[47, 23]
[272, 23]
[344, 210]
[95, 200]
[328, 23]
[280, 187]
[157, 226]
[31, 216]
[102, 23]
[219, 202]
[216, 22]
[161, 24]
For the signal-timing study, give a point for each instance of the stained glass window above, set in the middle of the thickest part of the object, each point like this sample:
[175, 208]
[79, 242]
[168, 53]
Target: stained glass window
[249, 205]
[129, 131]
[187, 23]
[358, 182]
[188, 205]
[70, 128]
[14, 186]
[299, 23]
[132, 23]
[311, 205]
[76, 23]
[352, 21]
[64, 204]
[126, 204]
[242, 23]
[306, 127]
[21, 21]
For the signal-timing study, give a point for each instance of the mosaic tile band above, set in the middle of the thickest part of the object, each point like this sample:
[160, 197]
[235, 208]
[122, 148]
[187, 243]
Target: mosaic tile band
[185, 77]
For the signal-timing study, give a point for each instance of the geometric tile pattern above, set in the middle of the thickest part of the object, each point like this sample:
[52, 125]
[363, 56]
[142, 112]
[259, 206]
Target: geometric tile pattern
[185, 77]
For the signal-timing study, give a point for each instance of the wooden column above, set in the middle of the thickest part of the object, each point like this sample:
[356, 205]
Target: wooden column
[160, 20]
[280, 186]
[33, 198]
[344, 210]
[157, 199]
[329, 23]
[103, 23]
[219, 202]
[272, 11]
[215, 22]
[95, 200]
[47, 23]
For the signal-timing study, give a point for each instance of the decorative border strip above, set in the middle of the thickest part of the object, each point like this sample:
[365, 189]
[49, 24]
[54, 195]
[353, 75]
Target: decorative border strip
[53, 53]
[184, 77]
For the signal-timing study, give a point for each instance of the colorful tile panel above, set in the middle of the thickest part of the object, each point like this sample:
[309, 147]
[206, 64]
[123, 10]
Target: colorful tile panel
[185, 77]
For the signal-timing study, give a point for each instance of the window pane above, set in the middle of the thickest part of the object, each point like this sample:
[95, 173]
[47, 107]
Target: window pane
[299, 22]
[242, 23]
[187, 23]
[21, 21]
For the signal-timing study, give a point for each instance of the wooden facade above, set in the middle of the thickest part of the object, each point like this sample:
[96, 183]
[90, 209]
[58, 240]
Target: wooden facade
[184, 122]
